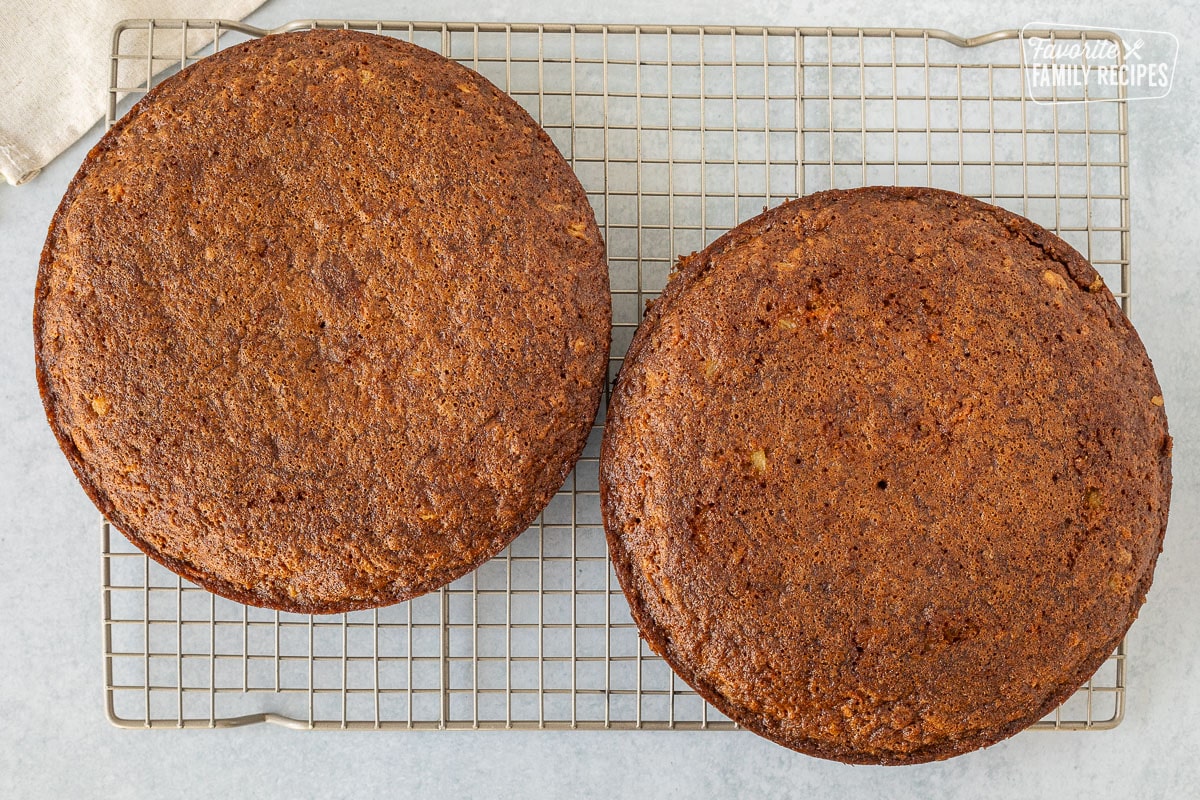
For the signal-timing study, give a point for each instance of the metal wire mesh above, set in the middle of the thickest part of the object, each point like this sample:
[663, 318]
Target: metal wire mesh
[677, 134]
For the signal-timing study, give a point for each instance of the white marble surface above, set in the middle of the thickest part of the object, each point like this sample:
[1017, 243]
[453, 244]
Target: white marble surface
[55, 742]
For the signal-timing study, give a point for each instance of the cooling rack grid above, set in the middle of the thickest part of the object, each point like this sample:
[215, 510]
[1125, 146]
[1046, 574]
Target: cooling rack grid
[677, 134]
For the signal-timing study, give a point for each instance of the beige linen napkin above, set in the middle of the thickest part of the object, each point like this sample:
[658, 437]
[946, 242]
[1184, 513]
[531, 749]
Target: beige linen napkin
[54, 67]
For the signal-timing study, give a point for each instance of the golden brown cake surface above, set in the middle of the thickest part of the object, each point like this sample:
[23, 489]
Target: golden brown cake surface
[323, 322]
[885, 474]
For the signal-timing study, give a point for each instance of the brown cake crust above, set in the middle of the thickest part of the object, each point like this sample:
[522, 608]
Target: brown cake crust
[323, 322]
[885, 474]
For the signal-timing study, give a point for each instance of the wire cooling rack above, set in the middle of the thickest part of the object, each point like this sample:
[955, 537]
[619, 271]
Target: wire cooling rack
[677, 134]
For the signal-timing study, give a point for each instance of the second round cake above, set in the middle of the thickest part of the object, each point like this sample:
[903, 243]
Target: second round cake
[885, 474]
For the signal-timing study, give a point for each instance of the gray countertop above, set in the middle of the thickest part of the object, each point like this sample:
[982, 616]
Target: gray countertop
[56, 743]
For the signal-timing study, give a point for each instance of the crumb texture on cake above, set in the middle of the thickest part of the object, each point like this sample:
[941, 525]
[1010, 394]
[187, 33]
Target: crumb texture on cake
[323, 322]
[885, 474]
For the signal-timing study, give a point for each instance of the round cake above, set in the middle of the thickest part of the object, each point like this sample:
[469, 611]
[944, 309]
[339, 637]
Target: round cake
[885, 474]
[323, 322]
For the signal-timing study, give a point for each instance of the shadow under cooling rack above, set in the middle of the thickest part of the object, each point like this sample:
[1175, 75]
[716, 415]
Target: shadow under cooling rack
[677, 134]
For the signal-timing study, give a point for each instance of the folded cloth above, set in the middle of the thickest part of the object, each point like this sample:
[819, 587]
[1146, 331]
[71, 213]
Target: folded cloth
[54, 65]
